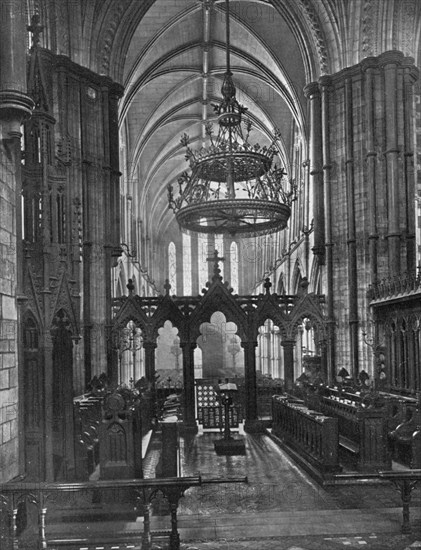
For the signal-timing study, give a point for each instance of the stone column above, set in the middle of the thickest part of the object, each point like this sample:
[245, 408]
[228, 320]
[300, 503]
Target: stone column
[312, 92]
[325, 87]
[188, 378]
[371, 160]
[351, 227]
[390, 62]
[288, 346]
[410, 76]
[251, 389]
[95, 274]
[115, 93]
[15, 105]
[149, 348]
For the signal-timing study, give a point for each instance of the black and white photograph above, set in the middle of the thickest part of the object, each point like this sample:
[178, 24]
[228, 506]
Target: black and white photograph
[210, 274]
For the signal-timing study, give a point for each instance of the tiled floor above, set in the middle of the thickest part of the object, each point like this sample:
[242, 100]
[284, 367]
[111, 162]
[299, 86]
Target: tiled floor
[280, 508]
[274, 482]
[371, 542]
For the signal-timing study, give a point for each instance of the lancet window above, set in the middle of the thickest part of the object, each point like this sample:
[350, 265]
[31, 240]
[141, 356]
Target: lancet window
[201, 258]
[187, 274]
[172, 267]
[234, 266]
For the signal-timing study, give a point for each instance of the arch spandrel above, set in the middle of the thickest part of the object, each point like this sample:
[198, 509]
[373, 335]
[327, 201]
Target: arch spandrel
[267, 309]
[132, 311]
[308, 306]
[218, 298]
[30, 312]
[167, 311]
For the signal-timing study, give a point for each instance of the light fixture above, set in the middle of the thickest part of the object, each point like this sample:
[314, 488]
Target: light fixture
[232, 187]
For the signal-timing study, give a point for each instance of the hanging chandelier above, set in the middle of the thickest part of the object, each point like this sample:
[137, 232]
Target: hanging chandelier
[233, 186]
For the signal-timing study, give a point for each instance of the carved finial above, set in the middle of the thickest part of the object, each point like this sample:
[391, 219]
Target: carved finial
[167, 287]
[130, 286]
[216, 271]
[35, 29]
[267, 285]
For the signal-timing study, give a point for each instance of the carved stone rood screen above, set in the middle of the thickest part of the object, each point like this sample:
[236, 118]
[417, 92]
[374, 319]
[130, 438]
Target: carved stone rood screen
[14, 495]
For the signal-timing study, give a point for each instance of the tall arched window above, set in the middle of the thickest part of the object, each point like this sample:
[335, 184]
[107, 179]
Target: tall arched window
[234, 266]
[172, 267]
[201, 258]
[187, 280]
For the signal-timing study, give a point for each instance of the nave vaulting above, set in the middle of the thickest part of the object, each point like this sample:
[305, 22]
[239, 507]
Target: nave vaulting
[99, 285]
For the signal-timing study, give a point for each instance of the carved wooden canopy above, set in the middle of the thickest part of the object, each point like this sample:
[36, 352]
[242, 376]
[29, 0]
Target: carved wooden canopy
[249, 312]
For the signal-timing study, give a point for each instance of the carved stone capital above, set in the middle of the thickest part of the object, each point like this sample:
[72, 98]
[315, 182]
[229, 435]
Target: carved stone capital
[249, 344]
[15, 106]
[149, 345]
[312, 89]
[288, 343]
[188, 345]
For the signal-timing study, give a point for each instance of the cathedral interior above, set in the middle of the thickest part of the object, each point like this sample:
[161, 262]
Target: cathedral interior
[210, 275]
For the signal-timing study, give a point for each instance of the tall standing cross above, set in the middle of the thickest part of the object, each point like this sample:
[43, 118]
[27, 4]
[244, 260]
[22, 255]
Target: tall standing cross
[167, 287]
[216, 259]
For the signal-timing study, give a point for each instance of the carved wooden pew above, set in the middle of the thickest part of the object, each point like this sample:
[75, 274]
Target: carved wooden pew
[362, 430]
[312, 434]
[87, 418]
[405, 439]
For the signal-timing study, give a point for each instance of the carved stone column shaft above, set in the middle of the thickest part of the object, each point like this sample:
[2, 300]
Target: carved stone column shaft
[312, 91]
[288, 346]
[250, 382]
[188, 376]
[149, 348]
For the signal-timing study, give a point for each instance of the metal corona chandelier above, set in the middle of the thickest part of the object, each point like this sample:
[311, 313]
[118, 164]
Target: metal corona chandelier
[232, 187]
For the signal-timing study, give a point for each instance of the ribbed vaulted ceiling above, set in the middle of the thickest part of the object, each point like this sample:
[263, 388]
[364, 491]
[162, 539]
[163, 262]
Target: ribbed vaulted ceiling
[173, 73]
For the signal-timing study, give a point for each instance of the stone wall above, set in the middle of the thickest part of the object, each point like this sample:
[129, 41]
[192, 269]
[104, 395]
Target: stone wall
[8, 316]
[371, 188]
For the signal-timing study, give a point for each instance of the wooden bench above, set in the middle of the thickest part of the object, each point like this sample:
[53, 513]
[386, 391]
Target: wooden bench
[404, 440]
[362, 431]
[404, 419]
[87, 418]
[311, 434]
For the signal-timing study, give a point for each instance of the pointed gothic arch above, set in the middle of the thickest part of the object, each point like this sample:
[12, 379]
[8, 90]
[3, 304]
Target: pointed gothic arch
[308, 307]
[296, 278]
[121, 281]
[189, 313]
[280, 289]
[315, 276]
[218, 299]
